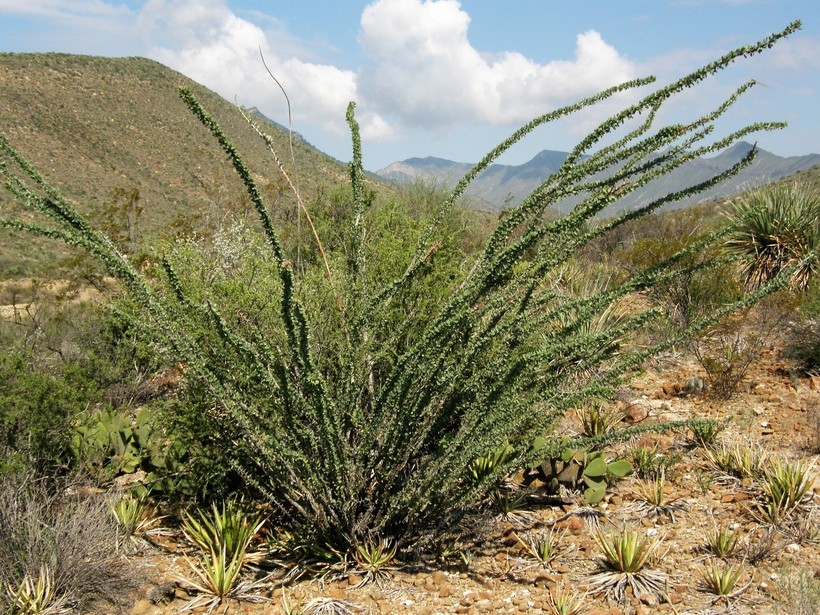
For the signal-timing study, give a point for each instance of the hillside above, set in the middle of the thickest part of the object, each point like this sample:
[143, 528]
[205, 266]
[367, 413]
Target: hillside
[99, 125]
[501, 186]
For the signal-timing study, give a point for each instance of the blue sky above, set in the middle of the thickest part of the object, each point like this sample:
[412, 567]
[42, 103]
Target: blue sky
[448, 78]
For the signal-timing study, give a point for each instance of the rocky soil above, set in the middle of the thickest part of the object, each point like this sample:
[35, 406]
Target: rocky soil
[775, 408]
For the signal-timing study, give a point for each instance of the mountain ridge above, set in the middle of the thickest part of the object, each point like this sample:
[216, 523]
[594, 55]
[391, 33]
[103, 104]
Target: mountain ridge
[97, 127]
[502, 186]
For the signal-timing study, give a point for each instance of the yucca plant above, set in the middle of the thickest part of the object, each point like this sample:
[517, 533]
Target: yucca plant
[626, 553]
[779, 226]
[358, 399]
[36, 597]
[563, 602]
[226, 528]
[786, 487]
[721, 579]
[654, 501]
[721, 542]
[135, 517]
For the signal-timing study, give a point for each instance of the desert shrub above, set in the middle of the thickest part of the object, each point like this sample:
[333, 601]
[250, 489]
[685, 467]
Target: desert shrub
[356, 391]
[695, 293]
[778, 225]
[803, 336]
[35, 413]
[48, 526]
[59, 361]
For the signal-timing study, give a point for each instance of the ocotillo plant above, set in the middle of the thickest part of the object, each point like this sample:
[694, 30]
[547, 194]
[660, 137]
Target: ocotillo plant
[372, 434]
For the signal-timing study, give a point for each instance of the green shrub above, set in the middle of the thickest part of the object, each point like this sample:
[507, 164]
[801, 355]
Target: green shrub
[356, 392]
[59, 364]
[35, 412]
[778, 225]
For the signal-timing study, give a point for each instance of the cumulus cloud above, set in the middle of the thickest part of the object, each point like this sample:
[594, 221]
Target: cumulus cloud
[425, 72]
[205, 40]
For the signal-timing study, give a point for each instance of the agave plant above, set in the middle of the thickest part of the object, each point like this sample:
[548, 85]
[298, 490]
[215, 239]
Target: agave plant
[544, 548]
[135, 517]
[626, 553]
[563, 602]
[227, 528]
[721, 543]
[786, 487]
[373, 560]
[36, 597]
[219, 578]
[223, 537]
[654, 501]
[722, 579]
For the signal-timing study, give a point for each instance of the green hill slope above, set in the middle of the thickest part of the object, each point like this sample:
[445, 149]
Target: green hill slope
[98, 126]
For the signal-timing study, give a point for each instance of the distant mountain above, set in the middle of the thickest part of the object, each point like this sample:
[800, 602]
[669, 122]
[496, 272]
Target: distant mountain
[501, 186]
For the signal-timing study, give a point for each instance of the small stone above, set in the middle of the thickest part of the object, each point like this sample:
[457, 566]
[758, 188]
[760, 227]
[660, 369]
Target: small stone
[439, 577]
[445, 591]
[637, 411]
[354, 579]
[793, 548]
[675, 598]
[162, 593]
[574, 524]
[142, 607]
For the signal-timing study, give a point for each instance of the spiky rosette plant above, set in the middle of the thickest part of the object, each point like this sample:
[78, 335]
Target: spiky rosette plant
[356, 412]
[779, 226]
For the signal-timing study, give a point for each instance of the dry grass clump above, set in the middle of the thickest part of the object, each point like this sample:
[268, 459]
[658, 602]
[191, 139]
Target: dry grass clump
[58, 547]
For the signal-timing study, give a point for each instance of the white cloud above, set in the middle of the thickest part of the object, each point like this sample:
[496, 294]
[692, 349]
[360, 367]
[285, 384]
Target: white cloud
[64, 8]
[425, 71]
[208, 42]
[799, 54]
